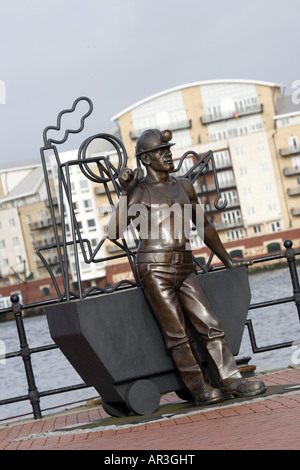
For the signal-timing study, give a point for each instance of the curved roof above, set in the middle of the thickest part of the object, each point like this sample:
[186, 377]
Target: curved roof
[188, 85]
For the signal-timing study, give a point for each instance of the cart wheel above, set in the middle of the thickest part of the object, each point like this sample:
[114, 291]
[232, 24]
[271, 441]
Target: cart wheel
[143, 397]
[117, 409]
[184, 394]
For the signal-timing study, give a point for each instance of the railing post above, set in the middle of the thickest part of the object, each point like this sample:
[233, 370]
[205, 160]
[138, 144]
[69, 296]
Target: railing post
[33, 393]
[290, 256]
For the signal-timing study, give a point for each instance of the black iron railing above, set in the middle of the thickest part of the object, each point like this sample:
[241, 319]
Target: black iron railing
[25, 352]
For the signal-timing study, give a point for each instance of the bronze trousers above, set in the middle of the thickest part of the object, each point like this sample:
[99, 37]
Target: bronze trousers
[173, 291]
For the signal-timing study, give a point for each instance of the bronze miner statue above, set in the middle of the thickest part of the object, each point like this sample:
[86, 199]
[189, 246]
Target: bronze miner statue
[160, 206]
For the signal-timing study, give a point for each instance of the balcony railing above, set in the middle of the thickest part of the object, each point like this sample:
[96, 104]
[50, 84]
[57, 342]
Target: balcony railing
[291, 171]
[212, 187]
[43, 223]
[230, 205]
[294, 191]
[295, 212]
[53, 261]
[228, 225]
[40, 243]
[232, 115]
[177, 126]
[285, 152]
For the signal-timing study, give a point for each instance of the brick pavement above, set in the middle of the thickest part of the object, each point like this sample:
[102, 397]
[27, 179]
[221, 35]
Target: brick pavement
[261, 423]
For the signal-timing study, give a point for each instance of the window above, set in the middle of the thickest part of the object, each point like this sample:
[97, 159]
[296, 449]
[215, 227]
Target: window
[222, 159]
[45, 291]
[201, 260]
[43, 216]
[293, 143]
[247, 190]
[236, 254]
[260, 148]
[91, 223]
[12, 222]
[275, 226]
[2, 243]
[226, 178]
[257, 229]
[186, 165]
[268, 186]
[87, 204]
[264, 167]
[231, 218]
[84, 184]
[296, 163]
[234, 234]
[230, 197]
[15, 241]
[273, 247]
[284, 121]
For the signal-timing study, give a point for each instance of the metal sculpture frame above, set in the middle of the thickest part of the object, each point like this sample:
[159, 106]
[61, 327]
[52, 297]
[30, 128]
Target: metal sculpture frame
[108, 173]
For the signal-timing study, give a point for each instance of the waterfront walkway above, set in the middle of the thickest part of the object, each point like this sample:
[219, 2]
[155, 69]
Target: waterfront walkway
[269, 421]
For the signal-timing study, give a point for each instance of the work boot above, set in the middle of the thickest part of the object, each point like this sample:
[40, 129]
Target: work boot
[244, 388]
[206, 395]
[195, 381]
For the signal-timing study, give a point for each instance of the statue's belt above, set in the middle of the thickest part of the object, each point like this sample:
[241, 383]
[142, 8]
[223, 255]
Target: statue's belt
[174, 257]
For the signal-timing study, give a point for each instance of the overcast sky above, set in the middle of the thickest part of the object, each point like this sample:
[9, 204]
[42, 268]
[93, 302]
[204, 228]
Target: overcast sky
[118, 52]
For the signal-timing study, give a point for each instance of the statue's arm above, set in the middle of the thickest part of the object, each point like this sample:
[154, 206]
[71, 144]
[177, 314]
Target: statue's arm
[209, 233]
[120, 219]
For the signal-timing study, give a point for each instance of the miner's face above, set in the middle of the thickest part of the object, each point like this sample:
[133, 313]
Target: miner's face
[159, 160]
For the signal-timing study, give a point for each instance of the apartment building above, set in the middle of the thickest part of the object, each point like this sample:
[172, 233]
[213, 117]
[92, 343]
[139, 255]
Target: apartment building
[25, 226]
[253, 131]
[286, 141]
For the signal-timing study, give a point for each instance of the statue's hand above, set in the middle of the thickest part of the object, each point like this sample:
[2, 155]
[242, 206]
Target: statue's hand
[129, 179]
[237, 263]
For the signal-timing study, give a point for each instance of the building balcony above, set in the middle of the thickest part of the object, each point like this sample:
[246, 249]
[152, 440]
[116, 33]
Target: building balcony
[228, 225]
[100, 190]
[175, 126]
[291, 171]
[54, 202]
[43, 224]
[209, 119]
[286, 152]
[208, 188]
[220, 166]
[44, 243]
[53, 261]
[294, 191]
[295, 212]
[210, 208]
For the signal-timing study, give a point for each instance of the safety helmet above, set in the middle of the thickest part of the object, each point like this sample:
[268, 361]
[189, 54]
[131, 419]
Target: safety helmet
[152, 139]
